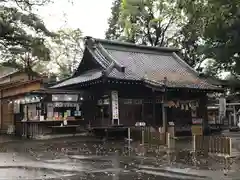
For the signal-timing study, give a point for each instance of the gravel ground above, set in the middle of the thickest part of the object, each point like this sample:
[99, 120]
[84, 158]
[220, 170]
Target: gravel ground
[93, 159]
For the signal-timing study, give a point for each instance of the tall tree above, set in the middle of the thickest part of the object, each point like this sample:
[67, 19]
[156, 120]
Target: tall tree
[114, 30]
[152, 22]
[22, 35]
[215, 25]
[190, 37]
[66, 51]
[160, 23]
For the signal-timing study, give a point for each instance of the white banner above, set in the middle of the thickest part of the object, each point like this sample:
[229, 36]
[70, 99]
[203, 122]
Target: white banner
[115, 109]
[222, 107]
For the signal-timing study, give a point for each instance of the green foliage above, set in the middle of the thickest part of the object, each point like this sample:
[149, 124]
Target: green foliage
[66, 51]
[151, 22]
[213, 25]
[114, 30]
[22, 35]
[201, 28]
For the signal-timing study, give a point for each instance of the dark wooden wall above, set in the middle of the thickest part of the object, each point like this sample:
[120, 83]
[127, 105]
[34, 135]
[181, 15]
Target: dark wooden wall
[131, 113]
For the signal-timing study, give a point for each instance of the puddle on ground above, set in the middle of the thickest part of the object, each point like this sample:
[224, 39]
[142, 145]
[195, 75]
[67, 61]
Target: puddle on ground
[31, 174]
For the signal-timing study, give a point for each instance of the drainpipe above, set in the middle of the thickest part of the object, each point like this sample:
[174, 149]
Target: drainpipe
[1, 110]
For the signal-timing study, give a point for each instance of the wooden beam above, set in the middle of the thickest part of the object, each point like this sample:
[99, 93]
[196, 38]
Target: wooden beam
[20, 89]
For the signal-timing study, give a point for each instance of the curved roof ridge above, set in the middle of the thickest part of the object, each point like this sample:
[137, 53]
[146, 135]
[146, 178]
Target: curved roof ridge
[132, 45]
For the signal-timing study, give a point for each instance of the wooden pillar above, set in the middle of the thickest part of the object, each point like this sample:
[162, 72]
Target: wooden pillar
[164, 119]
[234, 116]
[203, 110]
[164, 115]
[164, 98]
[154, 106]
[143, 118]
[28, 126]
[110, 106]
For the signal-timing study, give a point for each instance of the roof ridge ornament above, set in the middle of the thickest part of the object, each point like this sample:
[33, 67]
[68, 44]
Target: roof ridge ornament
[107, 55]
[145, 76]
[165, 80]
[90, 42]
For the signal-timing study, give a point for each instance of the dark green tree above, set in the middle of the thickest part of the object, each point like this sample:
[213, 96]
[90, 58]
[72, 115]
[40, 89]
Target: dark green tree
[114, 30]
[151, 22]
[22, 35]
[147, 22]
[212, 31]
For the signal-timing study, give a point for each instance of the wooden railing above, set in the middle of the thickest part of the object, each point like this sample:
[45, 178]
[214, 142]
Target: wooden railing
[219, 145]
[151, 136]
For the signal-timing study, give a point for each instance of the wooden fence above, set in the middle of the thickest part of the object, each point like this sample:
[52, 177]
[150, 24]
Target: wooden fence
[219, 145]
[151, 136]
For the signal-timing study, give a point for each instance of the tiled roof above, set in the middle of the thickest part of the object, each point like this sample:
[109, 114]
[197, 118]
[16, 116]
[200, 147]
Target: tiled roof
[150, 63]
[85, 77]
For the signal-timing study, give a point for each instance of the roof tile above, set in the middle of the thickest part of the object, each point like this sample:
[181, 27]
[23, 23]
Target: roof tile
[86, 76]
[156, 66]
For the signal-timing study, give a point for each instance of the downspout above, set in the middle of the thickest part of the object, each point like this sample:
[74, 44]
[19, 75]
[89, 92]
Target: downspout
[1, 104]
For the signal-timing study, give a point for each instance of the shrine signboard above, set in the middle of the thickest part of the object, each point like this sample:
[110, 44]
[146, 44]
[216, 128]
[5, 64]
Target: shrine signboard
[115, 107]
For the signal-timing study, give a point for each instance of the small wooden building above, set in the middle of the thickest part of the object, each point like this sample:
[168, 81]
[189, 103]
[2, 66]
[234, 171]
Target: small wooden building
[30, 109]
[47, 111]
[131, 83]
[11, 82]
[8, 93]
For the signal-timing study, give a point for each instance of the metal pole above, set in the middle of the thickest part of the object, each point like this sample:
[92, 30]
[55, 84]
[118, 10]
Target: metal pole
[194, 143]
[129, 136]
[168, 140]
[129, 141]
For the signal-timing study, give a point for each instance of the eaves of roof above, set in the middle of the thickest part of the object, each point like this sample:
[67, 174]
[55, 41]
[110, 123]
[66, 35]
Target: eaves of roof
[82, 78]
[9, 74]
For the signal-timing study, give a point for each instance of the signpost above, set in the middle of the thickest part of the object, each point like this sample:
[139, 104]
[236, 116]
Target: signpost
[141, 125]
[197, 126]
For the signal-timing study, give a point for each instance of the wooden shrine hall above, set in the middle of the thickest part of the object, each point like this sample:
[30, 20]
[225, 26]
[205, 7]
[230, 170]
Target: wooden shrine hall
[132, 83]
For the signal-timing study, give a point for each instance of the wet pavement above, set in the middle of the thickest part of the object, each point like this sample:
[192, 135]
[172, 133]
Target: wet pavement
[77, 158]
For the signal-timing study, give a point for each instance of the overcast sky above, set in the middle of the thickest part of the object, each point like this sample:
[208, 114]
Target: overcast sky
[88, 15]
